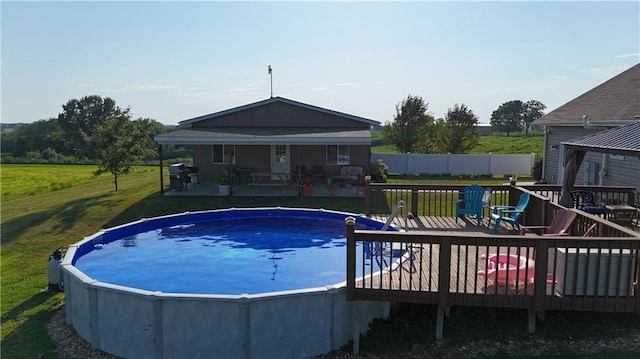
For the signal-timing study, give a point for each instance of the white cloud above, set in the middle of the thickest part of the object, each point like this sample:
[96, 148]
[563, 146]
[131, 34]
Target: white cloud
[635, 54]
[242, 92]
[148, 87]
[330, 87]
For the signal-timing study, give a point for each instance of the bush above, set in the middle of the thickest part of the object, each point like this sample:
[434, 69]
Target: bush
[379, 171]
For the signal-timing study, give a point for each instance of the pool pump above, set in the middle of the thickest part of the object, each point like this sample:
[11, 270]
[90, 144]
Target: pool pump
[53, 271]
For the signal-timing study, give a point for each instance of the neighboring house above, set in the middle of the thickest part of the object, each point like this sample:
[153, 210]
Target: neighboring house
[614, 103]
[276, 135]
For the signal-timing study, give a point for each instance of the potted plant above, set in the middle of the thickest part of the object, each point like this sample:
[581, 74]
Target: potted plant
[332, 188]
[306, 186]
[361, 186]
[224, 184]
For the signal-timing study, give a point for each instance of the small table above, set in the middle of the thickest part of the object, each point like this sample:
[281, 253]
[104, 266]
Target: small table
[259, 177]
[621, 214]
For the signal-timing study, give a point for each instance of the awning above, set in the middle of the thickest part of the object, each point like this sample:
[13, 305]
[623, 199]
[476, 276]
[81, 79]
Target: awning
[266, 136]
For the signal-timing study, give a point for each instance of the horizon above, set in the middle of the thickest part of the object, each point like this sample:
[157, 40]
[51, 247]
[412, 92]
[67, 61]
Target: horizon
[173, 61]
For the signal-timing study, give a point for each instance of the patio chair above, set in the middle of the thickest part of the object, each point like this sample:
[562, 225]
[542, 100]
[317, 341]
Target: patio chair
[560, 224]
[586, 201]
[472, 202]
[509, 214]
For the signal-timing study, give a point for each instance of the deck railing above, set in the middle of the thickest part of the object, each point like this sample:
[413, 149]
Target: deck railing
[438, 200]
[595, 273]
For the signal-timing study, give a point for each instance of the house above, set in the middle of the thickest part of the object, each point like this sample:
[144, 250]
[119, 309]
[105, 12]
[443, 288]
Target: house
[276, 136]
[614, 103]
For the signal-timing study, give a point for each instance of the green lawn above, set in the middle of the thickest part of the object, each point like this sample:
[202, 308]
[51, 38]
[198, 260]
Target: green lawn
[514, 144]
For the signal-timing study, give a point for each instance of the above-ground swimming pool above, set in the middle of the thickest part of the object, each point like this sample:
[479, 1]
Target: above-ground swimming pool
[254, 283]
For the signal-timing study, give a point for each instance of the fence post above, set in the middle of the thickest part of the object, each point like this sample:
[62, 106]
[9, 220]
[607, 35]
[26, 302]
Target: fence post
[414, 202]
[490, 170]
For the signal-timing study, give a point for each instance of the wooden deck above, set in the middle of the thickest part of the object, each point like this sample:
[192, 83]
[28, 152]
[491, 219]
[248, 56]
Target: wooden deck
[441, 259]
[445, 224]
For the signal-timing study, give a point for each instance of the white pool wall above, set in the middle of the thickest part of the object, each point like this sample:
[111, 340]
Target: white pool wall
[133, 323]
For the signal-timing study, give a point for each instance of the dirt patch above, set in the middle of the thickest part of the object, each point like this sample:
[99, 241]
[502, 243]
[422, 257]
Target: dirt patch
[69, 345]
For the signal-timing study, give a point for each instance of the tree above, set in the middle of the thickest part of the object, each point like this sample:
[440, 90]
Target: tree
[533, 110]
[38, 136]
[411, 128]
[79, 119]
[441, 136]
[119, 142]
[514, 115]
[461, 135]
[508, 117]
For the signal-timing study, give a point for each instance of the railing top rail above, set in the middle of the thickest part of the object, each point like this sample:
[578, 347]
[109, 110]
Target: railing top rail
[511, 237]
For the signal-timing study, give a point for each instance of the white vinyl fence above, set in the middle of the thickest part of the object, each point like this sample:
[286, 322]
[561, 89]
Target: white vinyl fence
[457, 164]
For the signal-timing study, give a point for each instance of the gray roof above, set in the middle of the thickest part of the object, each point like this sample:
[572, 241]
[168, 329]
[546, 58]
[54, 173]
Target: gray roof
[266, 135]
[623, 140]
[282, 100]
[612, 103]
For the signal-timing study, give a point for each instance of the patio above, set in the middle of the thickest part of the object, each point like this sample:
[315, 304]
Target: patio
[271, 189]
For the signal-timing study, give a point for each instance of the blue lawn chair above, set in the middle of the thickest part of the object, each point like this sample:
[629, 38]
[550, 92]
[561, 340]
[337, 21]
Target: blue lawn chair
[472, 203]
[508, 214]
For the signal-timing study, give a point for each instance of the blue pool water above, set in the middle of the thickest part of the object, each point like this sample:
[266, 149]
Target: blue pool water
[254, 252]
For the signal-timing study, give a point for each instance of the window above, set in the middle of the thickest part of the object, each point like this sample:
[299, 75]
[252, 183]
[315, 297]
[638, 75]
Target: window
[281, 154]
[223, 154]
[338, 155]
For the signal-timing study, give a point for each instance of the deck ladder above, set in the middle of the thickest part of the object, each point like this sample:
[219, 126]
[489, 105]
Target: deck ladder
[402, 205]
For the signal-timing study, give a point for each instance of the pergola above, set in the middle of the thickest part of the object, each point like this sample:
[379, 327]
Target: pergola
[623, 140]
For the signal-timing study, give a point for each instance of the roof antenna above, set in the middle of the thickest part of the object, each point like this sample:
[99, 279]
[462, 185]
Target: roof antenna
[271, 76]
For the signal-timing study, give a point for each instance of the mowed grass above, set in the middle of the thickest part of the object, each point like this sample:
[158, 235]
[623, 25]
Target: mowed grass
[38, 221]
[514, 144]
[29, 180]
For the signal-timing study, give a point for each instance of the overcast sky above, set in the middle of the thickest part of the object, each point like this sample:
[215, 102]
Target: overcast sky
[172, 61]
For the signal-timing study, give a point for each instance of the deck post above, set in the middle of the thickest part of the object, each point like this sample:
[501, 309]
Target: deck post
[367, 196]
[356, 328]
[414, 202]
[351, 257]
[444, 279]
[440, 322]
[161, 177]
[531, 321]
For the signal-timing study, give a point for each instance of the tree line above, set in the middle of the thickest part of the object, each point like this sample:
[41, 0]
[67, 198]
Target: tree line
[414, 129]
[90, 130]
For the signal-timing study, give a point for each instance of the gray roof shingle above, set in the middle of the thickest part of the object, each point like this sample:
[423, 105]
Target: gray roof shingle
[616, 101]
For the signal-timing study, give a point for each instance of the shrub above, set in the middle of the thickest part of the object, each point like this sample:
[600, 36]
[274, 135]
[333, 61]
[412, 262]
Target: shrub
[379, 171]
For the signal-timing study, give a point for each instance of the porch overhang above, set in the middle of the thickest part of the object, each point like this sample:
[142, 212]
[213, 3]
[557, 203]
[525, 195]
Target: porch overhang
[266, 136]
